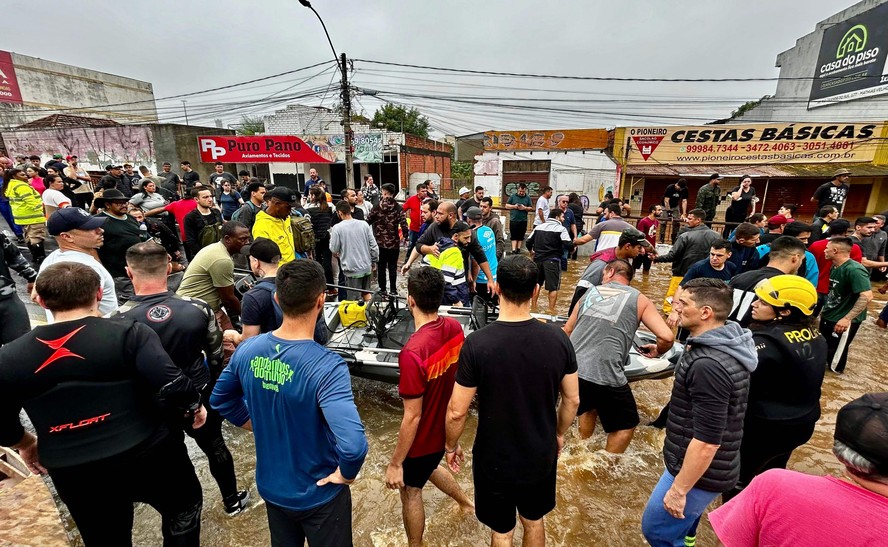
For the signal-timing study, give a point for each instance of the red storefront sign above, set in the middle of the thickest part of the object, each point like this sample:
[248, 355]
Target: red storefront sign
[9, 88]
[257, 149]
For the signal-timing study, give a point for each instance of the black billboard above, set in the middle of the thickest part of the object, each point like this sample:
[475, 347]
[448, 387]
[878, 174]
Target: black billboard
[851, 64]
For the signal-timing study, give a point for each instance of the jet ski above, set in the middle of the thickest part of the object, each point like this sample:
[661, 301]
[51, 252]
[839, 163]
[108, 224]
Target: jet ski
[371, 344]
[371, 347]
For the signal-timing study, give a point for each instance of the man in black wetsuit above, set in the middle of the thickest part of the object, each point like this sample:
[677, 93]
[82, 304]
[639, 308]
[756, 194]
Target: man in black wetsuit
[188, 331]
[90, 386]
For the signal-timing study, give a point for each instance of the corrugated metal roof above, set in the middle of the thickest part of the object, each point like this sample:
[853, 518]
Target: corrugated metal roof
[785, 170]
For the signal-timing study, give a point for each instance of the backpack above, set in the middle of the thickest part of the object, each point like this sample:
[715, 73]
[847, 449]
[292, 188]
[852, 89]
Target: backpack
[209, 234]
[303, 234]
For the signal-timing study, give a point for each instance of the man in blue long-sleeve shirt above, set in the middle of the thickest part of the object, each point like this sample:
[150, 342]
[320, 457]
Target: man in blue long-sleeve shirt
[310, 442]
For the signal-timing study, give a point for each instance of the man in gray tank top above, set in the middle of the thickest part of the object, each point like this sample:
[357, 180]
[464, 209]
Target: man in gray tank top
[601, 329]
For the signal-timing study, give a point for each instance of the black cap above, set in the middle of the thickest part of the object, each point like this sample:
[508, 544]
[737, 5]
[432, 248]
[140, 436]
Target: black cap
[715, 176]
[459, 226]
[283, 194]
[72, 218]
[862, 425]
[265, 250]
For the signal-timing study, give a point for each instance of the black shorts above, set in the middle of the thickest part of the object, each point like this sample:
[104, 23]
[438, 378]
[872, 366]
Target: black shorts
[495, 504]
[327, 524]
[517, 230]
[418, 470]
[549, 275]
[615, 405]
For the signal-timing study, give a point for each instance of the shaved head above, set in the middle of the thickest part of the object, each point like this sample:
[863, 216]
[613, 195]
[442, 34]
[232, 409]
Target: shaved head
[447, 207]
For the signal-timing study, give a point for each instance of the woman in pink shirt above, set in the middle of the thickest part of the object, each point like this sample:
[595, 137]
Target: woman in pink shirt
[35, 180]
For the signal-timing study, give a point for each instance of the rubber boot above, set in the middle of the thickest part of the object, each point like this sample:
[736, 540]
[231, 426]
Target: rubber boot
[38, 253]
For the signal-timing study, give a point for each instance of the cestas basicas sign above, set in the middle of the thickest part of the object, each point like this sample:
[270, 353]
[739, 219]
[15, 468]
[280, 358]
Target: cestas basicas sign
[257, 149]
[755, 143]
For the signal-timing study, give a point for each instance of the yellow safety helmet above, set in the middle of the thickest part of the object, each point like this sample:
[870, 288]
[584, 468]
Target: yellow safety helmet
[788, 291]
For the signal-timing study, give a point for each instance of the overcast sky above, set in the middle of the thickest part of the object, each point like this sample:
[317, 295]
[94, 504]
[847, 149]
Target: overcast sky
[190, 45]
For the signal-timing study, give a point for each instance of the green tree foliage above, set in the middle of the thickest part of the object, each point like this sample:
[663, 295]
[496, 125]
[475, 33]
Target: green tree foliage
[398, 118]
[462, 170]
[251, 125]
[747, 106]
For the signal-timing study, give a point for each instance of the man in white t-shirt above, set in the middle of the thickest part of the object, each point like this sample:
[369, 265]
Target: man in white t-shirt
[542, 207]
[53, 198]
[79, 235]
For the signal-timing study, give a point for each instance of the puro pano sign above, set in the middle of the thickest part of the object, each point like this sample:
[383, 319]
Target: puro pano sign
[852, 60]
[754, 144]
[257, 149]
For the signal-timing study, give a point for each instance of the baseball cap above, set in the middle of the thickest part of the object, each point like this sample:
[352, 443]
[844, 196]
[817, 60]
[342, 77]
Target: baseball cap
[473, 213]
[464, 190]
[715, 176]
[72, 218]
[283, 194]
[633, 236]
[69, 158]
[862, 425]
[777, 220]
[264, 250]
[56, 156]
[115, 167]
[458, 227]
[841, 172]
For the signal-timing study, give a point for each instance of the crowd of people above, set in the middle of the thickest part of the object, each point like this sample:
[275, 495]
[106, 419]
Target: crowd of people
[142, 295]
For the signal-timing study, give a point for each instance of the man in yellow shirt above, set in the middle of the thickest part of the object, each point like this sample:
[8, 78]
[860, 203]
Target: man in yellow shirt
[274, 222]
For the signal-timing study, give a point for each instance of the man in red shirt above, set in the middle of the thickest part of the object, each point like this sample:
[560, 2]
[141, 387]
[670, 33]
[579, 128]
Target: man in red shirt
[179, 209]
[413, 208]
[837, 228]
[648, 226]
[428, 372]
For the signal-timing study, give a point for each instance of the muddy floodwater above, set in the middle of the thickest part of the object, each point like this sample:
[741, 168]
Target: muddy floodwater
[600, 497]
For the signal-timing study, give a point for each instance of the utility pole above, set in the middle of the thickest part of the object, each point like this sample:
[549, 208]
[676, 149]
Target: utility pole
[346, 123]
[185, 108]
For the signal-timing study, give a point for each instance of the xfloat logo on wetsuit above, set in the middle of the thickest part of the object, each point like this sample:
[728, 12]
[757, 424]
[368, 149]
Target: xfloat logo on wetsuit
[82, 423]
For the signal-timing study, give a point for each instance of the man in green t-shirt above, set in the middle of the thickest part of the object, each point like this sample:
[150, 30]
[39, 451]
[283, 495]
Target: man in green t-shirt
[518, 205]
[210, 276]
[845, 309]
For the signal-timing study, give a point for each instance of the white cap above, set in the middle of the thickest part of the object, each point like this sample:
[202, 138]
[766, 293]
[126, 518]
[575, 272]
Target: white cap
[464, 190]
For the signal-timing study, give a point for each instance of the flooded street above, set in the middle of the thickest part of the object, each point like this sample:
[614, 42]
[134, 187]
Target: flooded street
[600, 497]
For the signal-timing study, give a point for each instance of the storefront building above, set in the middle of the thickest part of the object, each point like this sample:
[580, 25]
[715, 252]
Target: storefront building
[787, 162]
[568, 160]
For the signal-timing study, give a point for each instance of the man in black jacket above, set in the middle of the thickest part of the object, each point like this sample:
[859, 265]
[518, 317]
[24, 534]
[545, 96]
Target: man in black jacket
[188, 331]
[198, 219]
[115, 179]
[91, 387]
[706, 411]
[14, 320]
[548, 242]
[692, 245]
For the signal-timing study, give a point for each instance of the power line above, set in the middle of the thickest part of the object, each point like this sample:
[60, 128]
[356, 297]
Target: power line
[589, 78]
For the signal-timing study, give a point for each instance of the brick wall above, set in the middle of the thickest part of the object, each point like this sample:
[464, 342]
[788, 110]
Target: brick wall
[414, 159]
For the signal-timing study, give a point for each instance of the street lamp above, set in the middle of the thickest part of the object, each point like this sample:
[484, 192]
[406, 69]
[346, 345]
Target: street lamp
[346, 99]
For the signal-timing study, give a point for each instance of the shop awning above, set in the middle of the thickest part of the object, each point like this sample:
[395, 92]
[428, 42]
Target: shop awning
[787, 170]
